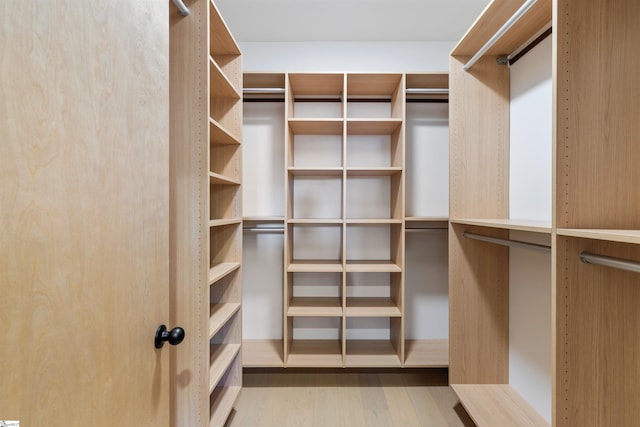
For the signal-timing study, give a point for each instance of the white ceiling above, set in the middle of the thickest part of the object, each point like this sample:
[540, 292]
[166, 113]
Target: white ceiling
[349, 20]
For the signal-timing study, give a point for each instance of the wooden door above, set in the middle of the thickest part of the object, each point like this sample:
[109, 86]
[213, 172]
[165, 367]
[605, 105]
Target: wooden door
[84, 227]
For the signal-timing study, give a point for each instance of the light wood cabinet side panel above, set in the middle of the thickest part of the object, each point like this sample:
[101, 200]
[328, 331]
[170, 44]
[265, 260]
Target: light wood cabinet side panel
[597, 114]
[479, 139]
[189, 165]
[598, 336]
[478, 308]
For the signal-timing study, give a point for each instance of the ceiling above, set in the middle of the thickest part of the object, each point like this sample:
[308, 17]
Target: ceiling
[349, 20]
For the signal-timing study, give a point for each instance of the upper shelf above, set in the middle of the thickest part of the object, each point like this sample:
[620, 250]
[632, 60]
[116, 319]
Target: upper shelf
[316, 84]
[316, 126]
[493, 18]
[372, 84]
[622, 236]
[509, 224]
[372, 126]
[221, 40]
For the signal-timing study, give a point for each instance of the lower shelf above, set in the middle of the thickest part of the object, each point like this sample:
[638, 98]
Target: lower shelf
[371, 353]
[315, 354]
[426, 353]
[497, 405]
[220, 404]
[262, 354]
[221, 356]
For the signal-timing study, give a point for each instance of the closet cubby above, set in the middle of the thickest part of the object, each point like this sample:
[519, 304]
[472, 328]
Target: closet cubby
[314, 341]
[206, 213]
[373, 295]
[374, 247]
[373, 341]
[375, 96]
[315, 96]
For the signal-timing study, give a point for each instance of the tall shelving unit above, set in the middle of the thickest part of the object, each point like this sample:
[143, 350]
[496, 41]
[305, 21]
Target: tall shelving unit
[344, 206]
[206, 214]
[594, 334]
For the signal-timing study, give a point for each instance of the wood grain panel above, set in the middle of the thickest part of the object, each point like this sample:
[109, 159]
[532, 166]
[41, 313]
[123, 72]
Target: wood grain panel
[478, 308]
[598, 108]
[189, 213]
[598, 336]
[84, 212]
[479, 139]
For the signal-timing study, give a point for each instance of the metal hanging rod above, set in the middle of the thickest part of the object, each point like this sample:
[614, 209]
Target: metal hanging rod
[498, 35]
[619, 263]
[184, 10]
[508, 242]
[264, 229]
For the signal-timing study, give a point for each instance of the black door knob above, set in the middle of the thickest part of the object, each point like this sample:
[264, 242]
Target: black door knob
[174, 336]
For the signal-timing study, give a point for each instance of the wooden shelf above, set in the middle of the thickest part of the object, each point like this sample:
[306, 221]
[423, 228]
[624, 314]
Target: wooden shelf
[371, 307]
[497, 405]
[386, 171]
[314, 307]
[220, 86]
[426, 353]
[262, 354]
[224, 222]
[219, 271]
[216, 178]
[316, 126]
[315, 221]
[508, 224]
[316, 84]
[372, 84]
[372, 126]
[221, 403]
[220, 315]
[364, 221]
[372, 266]
[622, 236]
[493, 17]
[315, 353]
[436, 80]
[426, 219]
[220, 135]
[220, 358]
[371, 353]
[315, 171]
[315, 266]
[220, 38]
[265, 219]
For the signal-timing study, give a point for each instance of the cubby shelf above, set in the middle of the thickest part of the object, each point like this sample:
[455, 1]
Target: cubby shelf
[221, 86]
[316, 126]
[371, 353]
[224, 222]
[314, 266]
[221, 356]
[372, 266]
[221, 135]
[219, 315]
[315, 171]
[315, 221]
[364, 221]
[315, 307]
[315, 353]
[382, 171]
[218, 179]
[371, 307]
[221, 270]
[221, 403]
[372, 126]
[497, 405]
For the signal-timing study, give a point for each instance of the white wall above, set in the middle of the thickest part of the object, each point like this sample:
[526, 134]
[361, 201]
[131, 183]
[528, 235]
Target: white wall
[402, 57]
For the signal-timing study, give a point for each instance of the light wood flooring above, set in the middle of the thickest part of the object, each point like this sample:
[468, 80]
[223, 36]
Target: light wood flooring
[349, 398]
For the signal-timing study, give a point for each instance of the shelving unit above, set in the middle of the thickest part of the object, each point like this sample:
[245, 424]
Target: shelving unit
[344, 179]
[206, 205]
[595, 207]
